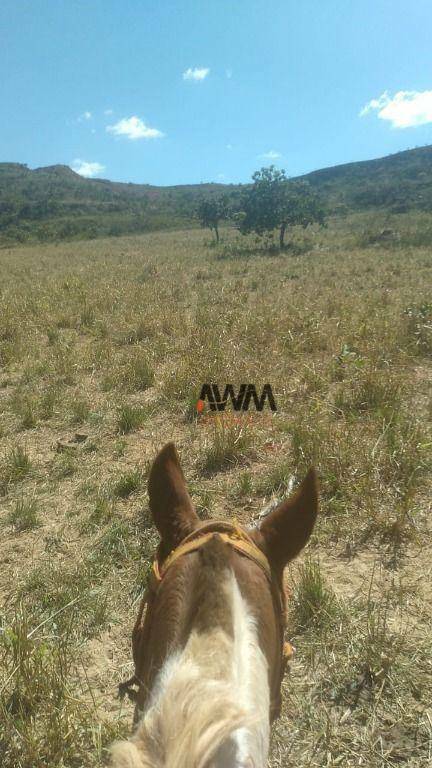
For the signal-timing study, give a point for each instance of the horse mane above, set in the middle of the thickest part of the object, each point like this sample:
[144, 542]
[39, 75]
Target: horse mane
[185, 726]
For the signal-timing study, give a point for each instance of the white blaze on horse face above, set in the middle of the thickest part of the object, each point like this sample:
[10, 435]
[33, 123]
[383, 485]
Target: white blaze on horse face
[250, 683]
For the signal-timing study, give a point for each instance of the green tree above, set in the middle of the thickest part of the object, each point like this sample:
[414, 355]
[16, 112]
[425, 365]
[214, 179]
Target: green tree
[211, 211]
[275, 202]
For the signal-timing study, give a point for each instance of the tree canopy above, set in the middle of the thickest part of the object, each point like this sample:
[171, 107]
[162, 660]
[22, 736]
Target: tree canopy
[275, 202]
[211, 211]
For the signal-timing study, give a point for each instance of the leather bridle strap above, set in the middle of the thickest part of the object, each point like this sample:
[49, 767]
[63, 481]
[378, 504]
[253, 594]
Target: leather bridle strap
[236, 537]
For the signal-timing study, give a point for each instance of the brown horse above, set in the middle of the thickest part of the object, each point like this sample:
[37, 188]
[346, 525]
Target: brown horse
[209, 649]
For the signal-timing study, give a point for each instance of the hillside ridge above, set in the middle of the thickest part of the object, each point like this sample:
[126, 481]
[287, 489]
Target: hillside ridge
[55, 202]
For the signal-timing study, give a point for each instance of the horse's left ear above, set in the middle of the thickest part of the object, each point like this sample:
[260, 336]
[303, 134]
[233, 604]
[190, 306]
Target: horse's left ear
[170, 504]
[286, 530]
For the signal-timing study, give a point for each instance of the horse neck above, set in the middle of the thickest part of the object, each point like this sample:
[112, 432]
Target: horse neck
[211, 699]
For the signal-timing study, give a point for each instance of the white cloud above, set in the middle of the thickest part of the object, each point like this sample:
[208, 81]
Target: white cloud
[85, 116]
[134, 128]
[108, 112]
[404, 110]
[87, 169]
[375, 104]
[271, 155]
[196, 73]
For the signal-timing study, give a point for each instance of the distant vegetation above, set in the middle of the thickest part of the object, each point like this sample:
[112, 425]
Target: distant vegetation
[211, 211]
[55, 203]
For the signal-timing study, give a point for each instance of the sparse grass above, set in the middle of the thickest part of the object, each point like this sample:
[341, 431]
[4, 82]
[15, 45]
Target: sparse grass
[245, 485]
[228, 443]
[279, 479]
[129, 418]
[127, 484]
[370, 392]
[90, 446]
[138, 373]
[419, 327]
[64, 466]
[24, 405]
[119, 448]
[88, 316]
[115, 545]
[48, 402]
[121, 334]
[76, 595]
[15, 466]
[203, 503]
[100, 515]
[380, 645]
[62, 363]
[52, 335]
[80, 410]
[315, 603]
[24, 516]
[368, 672]
[40, 667]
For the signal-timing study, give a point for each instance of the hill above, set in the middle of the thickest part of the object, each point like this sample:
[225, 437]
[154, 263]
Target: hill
[397, 182]
[55, 203]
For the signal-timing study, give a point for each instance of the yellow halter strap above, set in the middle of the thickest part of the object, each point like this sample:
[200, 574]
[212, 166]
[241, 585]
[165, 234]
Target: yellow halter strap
[229, 533]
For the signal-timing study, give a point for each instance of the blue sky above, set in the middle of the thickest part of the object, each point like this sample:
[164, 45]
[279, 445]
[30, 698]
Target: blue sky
[184, 91]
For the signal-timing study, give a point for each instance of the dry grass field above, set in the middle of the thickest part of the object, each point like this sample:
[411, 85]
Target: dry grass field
[104, 346]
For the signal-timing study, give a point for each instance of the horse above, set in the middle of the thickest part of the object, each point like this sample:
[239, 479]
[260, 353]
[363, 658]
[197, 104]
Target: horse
[208, 643]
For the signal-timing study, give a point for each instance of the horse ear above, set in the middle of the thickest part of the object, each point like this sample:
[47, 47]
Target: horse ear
[170, 504]
[286, 530]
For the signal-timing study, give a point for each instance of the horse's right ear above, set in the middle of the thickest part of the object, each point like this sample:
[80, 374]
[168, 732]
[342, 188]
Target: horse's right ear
[286, 530]
[170, 504]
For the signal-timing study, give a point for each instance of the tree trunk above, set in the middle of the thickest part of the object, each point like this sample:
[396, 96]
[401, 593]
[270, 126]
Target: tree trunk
[216, 233]
[282, 236]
